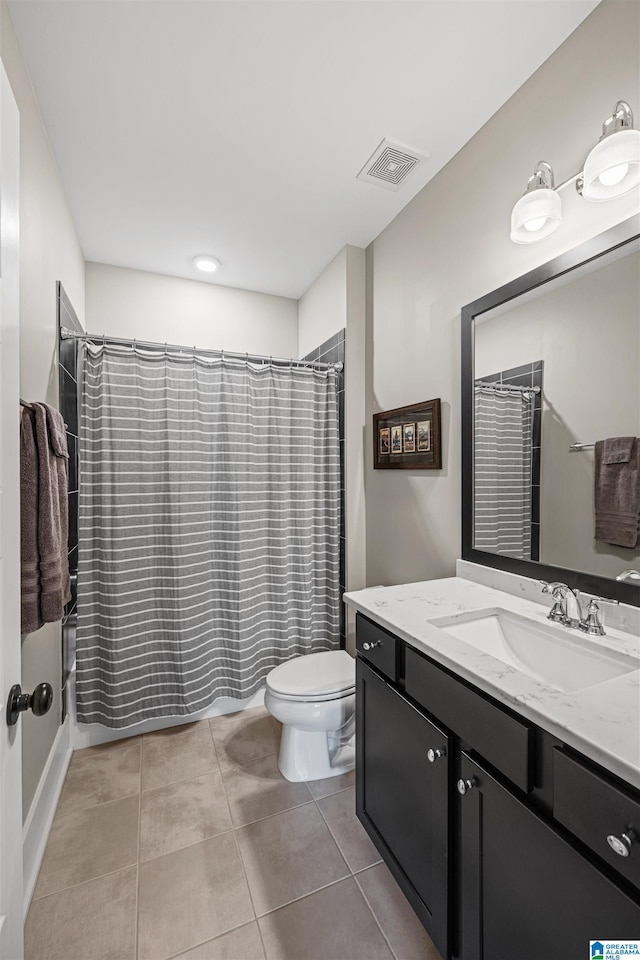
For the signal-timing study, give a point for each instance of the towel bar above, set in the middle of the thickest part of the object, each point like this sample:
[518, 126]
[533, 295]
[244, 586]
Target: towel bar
[577, 447]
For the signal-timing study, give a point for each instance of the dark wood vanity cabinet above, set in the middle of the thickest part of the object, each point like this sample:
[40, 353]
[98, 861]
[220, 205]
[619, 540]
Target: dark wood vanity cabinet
[526, 891]
[503, 856]
[402, 796]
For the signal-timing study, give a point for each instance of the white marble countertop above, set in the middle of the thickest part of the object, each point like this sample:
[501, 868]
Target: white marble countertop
[602, 722]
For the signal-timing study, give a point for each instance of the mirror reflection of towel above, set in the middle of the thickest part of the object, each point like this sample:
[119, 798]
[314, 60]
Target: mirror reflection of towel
[617, 490]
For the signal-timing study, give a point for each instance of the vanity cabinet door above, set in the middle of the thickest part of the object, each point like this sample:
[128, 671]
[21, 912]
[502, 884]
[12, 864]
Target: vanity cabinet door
[524, 891]
[402, 796]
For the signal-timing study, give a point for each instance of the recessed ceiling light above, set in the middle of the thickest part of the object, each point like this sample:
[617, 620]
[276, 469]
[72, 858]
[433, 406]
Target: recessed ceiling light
[206, 263]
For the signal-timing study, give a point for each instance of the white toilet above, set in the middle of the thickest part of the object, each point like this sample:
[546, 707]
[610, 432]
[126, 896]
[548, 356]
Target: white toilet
[314, 699]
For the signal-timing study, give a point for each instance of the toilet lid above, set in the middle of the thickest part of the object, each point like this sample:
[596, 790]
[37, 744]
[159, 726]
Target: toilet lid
[315, 675]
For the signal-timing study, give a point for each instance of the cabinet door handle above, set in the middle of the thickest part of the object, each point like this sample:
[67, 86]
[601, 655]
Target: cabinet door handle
[433, 755]
[369, 646]
[620, 845]
[465, 785]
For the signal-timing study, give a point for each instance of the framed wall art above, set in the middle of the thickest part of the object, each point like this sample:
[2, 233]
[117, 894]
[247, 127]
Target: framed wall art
[408, 438]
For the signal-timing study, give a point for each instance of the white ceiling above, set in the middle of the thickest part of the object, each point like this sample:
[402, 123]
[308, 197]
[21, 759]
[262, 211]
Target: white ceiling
[238, 128]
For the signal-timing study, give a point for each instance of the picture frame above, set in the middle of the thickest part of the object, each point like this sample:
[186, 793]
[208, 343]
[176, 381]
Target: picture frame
[408, 438]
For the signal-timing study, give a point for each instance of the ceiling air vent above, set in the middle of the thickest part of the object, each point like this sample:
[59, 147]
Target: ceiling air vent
[390, 165]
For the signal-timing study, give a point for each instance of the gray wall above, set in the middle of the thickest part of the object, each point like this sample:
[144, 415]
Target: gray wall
[588, 334]
[336, 300]
[151, 306]
[451, 245]
[49, 251]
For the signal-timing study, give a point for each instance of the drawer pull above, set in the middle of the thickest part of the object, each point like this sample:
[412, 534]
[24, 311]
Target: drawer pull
[433, 755]
[620, 845]
[465, 785]
[369, 646]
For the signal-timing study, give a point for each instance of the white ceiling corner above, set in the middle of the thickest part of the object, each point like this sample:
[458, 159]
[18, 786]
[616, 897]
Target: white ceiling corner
[239, 128]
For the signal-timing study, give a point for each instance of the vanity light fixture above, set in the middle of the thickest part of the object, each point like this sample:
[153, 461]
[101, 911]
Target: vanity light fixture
[611, 169]
[206, 263]
[613, 166]
[539, 212]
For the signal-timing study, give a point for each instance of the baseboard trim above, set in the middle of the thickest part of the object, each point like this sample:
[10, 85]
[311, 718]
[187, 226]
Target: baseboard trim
[35, 831]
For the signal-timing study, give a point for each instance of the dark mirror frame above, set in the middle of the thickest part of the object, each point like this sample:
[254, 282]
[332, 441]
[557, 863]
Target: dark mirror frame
[618, 236]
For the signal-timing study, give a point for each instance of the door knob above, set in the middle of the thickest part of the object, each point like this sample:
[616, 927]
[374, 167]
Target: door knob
[433, 755]
[39, 701]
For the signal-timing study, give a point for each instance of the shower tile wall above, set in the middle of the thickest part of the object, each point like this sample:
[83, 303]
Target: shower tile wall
[529, 375]
[68, 382]
[333, 351]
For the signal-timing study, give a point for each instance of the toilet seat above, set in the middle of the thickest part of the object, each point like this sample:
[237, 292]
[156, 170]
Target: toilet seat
[315, 677]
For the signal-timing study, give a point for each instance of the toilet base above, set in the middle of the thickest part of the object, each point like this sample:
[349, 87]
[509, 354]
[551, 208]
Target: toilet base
[304, 755]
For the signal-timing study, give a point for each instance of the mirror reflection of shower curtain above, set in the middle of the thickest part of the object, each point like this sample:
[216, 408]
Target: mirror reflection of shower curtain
[209, 529]
[502, 472]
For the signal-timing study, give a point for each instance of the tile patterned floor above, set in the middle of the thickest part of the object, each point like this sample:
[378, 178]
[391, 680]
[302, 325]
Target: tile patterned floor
[189, 844]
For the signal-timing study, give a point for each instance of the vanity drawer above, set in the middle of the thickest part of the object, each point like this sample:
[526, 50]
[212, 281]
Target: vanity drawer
[504, 740]
[593, 808]
[377, 646]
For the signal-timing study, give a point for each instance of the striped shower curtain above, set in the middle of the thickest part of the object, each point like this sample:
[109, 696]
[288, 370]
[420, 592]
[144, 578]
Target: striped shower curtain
[502, 472]
[209, 527]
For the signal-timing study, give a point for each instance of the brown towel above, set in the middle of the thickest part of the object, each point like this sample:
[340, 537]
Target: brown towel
[618, 449]
[617, 490]
[44, 529]
[29, 578]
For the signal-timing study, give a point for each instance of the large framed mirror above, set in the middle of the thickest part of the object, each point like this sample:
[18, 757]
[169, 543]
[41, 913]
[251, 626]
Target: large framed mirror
[550, 367]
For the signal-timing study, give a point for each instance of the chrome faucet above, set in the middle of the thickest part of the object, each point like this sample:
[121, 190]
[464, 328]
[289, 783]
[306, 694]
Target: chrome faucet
[566, 608]
[629, 575]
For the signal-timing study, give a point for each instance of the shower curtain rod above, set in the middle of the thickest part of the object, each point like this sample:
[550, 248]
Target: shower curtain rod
[506, 388]
[66, 334]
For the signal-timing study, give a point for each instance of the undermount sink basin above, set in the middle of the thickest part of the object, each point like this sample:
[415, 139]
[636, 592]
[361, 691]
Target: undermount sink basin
[546, 651]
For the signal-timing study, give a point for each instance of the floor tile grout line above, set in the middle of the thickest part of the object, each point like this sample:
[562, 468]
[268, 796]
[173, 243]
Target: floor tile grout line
[304, 896]
[73, 886]
[187, 846]
[174, 783]
[218, 936]
[235, 838]
[374, 915]
[138, 855]
[335, 839]
[270, 816]
[240, 763]
[94, 806]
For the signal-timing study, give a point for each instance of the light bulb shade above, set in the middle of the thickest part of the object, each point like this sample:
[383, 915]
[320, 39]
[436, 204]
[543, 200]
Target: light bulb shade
[613, 166]
[536, 216]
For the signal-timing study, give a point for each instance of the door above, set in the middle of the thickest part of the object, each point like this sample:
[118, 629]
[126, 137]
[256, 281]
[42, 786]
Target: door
[402, 796]
[10, 745]
[525, 891]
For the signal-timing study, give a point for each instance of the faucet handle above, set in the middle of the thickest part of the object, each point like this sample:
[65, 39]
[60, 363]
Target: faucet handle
[598, 600]
[591, 623]
[558, 612]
